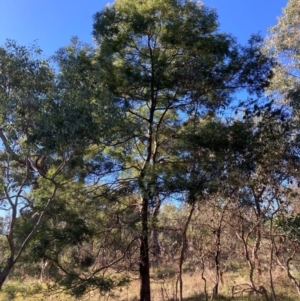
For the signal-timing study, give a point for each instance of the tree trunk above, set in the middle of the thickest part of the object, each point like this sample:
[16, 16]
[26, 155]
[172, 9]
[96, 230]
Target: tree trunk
[217, 262]
[44, 266]
[154, 235]
[5, 272]
[256, 248]
[219, 273]
[144, 254]
[183, 250]
[155, 244]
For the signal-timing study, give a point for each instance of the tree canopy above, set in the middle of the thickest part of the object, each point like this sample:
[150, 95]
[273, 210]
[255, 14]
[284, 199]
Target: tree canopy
[94, 145]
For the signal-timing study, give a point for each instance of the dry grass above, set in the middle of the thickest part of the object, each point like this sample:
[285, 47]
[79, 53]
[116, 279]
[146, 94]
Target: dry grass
[163, 289]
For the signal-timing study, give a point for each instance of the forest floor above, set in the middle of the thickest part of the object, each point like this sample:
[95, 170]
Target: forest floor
[234, 287]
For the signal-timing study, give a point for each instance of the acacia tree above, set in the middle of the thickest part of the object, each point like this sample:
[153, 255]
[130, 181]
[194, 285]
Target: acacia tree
[48, 126]
[24, 84]
[164, 62]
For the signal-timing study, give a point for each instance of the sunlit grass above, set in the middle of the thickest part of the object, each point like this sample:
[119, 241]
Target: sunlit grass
[163, 288]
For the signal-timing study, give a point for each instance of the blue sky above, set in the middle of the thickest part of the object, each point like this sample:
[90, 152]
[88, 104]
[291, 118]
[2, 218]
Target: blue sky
[52, 23]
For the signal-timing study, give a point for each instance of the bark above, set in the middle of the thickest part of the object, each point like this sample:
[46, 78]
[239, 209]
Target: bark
[14, 254]
[154, 236]
[286, 267]
[254, 261]
[144, 254]
[256, 248]
[274, 298]
[45, 264]
[259, 216]
[204, 279]
[5, 272]
[217, 261]
[219, 273]
[243, 237]
[183, 250]
[155, 244]
[292, 278]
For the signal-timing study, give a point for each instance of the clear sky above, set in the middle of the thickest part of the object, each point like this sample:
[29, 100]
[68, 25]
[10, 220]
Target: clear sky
[52, 23]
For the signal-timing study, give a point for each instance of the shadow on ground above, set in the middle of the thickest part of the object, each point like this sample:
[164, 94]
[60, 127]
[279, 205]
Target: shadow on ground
[245, 297]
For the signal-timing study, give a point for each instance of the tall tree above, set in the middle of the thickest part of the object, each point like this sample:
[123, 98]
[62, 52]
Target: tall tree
[165, 62]
[48, 130]
[25, 82]
[283, 45]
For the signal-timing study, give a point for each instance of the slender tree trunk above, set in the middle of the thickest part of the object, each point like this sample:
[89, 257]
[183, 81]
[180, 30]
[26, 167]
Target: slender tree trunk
[219, 277]
[155, 244]
[258, 230]
[274, 298]
[6, 270]
[286, 267]
[243, 237]
[256, 248]
[154, 235]
[144, 254]
[183, 250]
[204, 279]
[15, 255]
[45, 264]
[217, 262]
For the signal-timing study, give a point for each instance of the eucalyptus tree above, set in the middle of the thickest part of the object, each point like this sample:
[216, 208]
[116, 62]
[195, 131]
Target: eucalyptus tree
[283, 44]
[164, 63]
